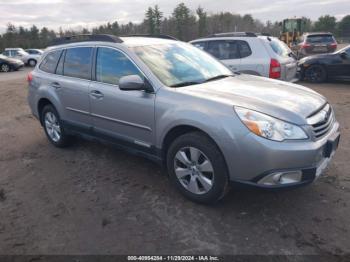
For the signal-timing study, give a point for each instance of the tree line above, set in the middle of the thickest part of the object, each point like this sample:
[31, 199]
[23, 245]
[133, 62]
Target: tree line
[183, 23]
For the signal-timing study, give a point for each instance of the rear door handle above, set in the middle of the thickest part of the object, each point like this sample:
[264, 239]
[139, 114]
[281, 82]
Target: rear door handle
[55, 85]
[96, 94]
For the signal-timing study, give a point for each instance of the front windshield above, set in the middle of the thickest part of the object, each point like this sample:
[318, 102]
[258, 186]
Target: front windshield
[177, 63]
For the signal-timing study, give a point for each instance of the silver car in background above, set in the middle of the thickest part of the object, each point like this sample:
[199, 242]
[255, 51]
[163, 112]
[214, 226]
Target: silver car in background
[253, 54]
[177, 105]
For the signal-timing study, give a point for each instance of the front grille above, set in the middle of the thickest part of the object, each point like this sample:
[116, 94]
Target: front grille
[322, 121]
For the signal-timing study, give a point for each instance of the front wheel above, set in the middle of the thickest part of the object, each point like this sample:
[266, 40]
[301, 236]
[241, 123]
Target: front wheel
[5, 68]
[197, 168]
[53, 127]
[315, 74]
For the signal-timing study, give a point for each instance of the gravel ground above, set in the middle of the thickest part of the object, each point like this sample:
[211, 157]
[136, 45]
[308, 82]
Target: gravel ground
[94, 199]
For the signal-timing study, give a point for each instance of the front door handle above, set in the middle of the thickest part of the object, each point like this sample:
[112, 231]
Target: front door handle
[96, 94]
[55, 85]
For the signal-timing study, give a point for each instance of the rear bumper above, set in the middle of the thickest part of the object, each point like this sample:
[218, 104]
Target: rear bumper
[262, 161]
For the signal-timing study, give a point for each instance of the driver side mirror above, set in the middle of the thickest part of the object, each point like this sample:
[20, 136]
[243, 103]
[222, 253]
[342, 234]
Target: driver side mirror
[132, 82]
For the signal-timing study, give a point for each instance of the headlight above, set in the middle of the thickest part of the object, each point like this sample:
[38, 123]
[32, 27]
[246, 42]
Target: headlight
[269, 127]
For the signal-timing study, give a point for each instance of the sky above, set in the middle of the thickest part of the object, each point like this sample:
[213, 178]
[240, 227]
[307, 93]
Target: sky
[89, 13]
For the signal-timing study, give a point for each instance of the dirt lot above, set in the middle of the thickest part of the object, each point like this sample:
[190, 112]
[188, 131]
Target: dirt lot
[94, 199]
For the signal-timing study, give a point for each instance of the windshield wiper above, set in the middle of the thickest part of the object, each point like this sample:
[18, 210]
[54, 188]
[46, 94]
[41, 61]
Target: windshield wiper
[188, 83]
[216, 78]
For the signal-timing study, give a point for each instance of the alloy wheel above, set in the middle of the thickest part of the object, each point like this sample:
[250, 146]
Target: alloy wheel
[52, 126]
[194, 170]
[5, 68]
[32, 63]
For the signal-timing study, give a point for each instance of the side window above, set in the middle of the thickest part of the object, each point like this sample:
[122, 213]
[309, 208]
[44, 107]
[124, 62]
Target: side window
[50, 61]
[111, 65]
[200, 45]
[223, 49]
[244, 49]
[7, 53]
[77, 62]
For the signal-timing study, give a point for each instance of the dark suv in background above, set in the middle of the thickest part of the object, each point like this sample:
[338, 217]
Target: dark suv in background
[315, 43]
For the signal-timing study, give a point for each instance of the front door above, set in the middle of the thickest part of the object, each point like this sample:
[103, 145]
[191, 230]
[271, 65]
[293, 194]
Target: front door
[124, 115]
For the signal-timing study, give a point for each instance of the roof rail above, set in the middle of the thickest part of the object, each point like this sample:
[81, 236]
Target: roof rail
[152, 36]
[86, 38]
[233, 34]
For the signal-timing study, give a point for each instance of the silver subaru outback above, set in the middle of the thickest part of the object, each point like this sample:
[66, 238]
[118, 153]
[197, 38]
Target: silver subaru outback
[175, 104]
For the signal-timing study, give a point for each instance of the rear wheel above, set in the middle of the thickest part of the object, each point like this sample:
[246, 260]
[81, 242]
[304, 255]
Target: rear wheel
[53, 127]
[197, 168]
[5, 68]
[315, 74]
[32, 62]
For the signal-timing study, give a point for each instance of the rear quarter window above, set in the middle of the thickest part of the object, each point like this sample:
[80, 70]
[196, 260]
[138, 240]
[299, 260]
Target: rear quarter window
[50, 61]
[78, 62]
[279, 47]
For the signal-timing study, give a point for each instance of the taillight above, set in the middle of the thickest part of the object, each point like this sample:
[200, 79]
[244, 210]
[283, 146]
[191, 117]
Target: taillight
[333, 45]
[275, 69]
[29, 77]
[305, 45]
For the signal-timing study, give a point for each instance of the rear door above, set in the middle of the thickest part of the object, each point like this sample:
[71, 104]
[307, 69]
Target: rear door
[126, 116]
[227, 51]
[248, 64]
[72, 81]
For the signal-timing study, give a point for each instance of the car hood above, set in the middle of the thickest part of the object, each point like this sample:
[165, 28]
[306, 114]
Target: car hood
[313, 57]
[286, 101]
[11, 60]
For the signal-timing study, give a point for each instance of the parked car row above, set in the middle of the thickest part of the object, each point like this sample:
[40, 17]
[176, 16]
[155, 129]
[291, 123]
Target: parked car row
[11, 56]
[269, 57]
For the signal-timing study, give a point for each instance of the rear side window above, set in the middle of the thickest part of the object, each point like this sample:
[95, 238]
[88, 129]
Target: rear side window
[224, 50]
[50, 61]
[279, 47]
[244, 49]
[313, 39]
[77, 62]
[111, 65]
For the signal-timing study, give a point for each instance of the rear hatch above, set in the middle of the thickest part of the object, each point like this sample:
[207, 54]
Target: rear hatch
[320, 43]
[285, 57]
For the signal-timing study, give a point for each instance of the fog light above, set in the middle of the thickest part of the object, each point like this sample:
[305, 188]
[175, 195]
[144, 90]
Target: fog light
[281, 178]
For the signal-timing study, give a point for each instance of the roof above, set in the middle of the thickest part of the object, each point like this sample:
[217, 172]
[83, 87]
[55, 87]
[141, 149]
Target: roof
[318, 33]
[141, 41]
[128, 40]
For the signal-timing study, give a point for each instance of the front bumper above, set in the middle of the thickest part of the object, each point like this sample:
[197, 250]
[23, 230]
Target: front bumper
[17, 66]
[268, 164]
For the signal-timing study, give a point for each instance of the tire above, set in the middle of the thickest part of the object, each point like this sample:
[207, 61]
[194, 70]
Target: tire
[53, 127]
[188, 175]
[315, 74]
[5, 68]
[32, 62]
